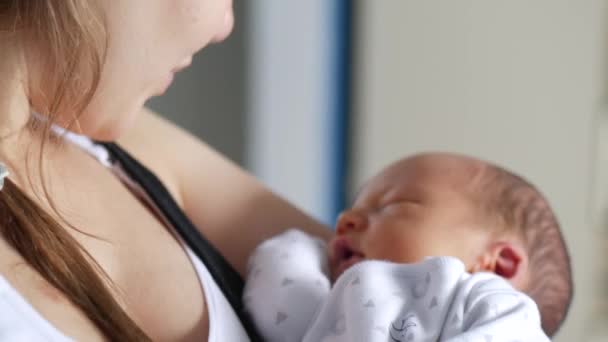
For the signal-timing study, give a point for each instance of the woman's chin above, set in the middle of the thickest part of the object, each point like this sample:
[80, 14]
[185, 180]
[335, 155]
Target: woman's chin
[226, 29]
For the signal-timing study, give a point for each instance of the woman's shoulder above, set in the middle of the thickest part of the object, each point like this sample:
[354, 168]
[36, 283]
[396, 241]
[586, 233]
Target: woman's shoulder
[218, 196]
[163, 147]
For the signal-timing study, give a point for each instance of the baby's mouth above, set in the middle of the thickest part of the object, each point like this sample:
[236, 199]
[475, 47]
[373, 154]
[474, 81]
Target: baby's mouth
[343, 256]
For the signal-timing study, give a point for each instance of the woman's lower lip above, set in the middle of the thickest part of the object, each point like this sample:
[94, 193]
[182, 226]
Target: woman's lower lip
[185, 63]
[167, 83]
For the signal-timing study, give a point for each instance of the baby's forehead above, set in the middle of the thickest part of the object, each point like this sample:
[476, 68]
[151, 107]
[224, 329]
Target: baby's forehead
[439, 169]
[436, 176]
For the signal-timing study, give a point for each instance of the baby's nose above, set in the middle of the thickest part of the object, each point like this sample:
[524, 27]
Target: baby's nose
[350, 221]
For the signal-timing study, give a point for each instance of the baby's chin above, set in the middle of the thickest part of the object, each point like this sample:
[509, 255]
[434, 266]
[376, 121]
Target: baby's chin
[334, 275]
[337, 270]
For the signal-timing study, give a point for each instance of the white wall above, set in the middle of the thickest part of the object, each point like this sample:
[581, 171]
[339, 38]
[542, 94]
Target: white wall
[517, 82]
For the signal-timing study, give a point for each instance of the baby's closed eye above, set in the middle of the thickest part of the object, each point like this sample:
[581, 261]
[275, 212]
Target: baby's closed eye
[401, 205]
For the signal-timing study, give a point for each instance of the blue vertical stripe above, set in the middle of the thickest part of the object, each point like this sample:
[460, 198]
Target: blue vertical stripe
[339, 125]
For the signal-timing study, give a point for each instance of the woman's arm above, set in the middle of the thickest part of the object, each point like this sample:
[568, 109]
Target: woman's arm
[231, 208]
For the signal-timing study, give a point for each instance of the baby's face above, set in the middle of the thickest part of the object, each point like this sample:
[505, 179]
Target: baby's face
[415, 208]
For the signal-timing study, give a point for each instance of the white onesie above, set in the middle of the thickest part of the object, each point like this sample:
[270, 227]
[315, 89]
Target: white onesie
[290, 298]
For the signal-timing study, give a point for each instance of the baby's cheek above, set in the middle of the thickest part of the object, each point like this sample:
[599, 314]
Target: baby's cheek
[392, 248]
[415, 250]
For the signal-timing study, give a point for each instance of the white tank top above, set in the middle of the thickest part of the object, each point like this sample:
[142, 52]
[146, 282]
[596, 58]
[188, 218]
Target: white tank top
[19, 321]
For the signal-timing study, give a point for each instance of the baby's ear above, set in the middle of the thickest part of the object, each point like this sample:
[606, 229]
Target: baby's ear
[508, 260]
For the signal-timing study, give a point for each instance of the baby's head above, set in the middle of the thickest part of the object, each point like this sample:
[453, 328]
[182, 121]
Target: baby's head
[449, 205]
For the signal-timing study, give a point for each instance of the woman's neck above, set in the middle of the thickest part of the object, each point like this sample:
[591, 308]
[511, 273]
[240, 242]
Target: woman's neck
[19, 145]
[14, 103]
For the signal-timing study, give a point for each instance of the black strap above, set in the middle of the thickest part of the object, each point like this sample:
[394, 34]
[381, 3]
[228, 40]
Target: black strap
[227, 279]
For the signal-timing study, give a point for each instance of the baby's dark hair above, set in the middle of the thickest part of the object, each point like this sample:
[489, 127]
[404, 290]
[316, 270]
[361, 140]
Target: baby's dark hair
[516, 205]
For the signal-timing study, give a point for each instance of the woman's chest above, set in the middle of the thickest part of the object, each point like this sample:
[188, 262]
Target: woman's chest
[155, 278]
[152, 276]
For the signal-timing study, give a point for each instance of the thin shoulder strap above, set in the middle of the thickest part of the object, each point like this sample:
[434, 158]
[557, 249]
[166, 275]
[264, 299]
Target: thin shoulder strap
[226, 277]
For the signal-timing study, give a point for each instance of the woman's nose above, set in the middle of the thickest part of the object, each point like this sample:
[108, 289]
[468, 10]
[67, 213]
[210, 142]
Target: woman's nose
[350, 221]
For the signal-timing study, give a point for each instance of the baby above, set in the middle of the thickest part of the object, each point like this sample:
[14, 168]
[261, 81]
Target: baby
[437, 247]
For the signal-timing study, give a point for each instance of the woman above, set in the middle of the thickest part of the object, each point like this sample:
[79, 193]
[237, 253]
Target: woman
[81, 255]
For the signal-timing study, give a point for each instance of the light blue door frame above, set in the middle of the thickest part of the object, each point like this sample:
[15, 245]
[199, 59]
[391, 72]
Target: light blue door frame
[299, 87]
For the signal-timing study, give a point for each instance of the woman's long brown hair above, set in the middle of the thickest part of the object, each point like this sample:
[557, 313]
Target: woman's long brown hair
[71, 36]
